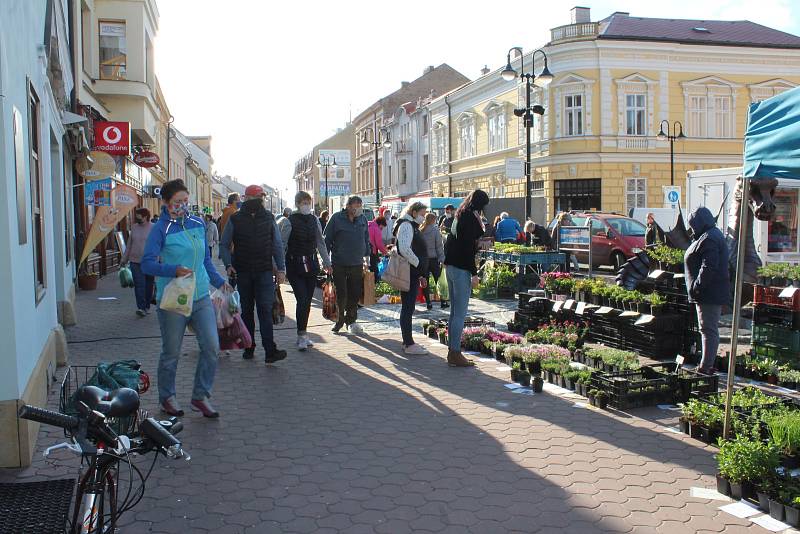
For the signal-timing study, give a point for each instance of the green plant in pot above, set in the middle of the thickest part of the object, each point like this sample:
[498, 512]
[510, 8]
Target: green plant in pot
[743, 462]
[591, 395]
[515, 371]
[784, 432]
[601, 399]
[524, 378]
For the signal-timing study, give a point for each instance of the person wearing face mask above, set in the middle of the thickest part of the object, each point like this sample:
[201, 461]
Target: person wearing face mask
[302, 238]
[411, 246]
[256, 241]
[176, 246]
[446, 220]
[142, 284]
[460, 250]
[347, 238]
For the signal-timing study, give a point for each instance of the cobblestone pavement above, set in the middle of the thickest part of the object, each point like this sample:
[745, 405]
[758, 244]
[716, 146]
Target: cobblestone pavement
[354, 437]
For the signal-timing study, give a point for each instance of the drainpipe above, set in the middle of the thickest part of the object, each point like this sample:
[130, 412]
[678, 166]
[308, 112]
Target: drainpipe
[449, 147]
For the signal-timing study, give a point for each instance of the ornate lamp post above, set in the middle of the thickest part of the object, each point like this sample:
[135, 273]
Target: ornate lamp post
[328, 160]
[381, 139]
[527, 112]
[663, 135]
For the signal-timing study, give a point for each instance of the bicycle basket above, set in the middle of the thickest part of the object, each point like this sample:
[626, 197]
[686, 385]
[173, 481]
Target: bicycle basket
[108, 377]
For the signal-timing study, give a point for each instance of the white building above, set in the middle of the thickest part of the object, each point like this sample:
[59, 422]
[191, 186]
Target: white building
[407, 163]
[37, 267]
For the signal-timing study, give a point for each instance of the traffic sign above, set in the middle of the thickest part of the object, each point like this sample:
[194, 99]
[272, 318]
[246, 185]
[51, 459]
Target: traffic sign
[672, 196]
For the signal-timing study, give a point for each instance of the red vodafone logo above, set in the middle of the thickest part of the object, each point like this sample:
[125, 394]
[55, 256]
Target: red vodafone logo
[112, 137]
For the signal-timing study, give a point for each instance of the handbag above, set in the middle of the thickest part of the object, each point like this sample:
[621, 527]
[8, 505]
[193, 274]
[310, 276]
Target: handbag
[329, 310]
[178, 295]
[398, 272]
[278, 309]
[368, 295]
[236, 336]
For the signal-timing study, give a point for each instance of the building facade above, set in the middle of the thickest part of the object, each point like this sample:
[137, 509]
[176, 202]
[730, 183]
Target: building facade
[370, 122]
[597, 146]
[39, 139]
[309, 171]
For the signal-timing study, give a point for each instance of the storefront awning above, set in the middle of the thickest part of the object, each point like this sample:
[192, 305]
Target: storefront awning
[772, 140]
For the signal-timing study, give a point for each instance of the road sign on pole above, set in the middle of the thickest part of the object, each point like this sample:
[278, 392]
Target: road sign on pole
[672, 196]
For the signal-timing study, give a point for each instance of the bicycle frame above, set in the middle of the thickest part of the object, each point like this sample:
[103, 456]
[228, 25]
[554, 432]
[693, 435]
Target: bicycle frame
[89, 515]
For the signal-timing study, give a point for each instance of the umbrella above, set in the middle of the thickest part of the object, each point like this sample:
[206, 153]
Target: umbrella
[771, 150]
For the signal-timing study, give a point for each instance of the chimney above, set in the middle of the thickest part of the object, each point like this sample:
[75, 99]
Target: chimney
[485, 70]
[620, 14]
[428, 69]
[404, 84]
[579, 15]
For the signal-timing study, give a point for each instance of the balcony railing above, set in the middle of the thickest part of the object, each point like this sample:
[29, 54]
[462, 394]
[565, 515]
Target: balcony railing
[574, 31]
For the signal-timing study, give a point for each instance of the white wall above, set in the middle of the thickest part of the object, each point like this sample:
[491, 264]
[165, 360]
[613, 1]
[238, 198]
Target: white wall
[25, 325]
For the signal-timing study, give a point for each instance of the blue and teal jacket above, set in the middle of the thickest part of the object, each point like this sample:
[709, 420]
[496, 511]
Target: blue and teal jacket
[179, 242]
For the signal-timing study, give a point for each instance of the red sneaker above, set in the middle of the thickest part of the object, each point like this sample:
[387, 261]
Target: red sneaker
[204, 407]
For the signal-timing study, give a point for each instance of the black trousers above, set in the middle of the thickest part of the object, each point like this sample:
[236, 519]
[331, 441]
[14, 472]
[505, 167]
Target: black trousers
[349, 283]
[303, 284]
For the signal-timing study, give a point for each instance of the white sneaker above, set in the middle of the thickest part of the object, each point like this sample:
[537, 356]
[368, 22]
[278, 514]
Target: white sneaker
[309, 343]
[301, 344]
[355, 329]
[415, 350]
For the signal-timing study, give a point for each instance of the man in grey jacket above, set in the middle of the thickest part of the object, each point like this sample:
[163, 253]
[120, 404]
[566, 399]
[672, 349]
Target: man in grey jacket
[347, 239]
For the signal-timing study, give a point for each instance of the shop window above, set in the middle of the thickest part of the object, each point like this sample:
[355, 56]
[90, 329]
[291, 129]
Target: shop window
[113, 51]
[582, 194]
[783, 228]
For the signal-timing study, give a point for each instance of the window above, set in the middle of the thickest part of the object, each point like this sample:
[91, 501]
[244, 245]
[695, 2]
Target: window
[635, 193]
[86, 38]
[113, 51]
[403, 171]
[497, 129]
[635, 114]
[573, 115]
[37, 202]
[466, 135]
[578, 194]
[698, 117]
[426, 173]
[597, 227]
[722, 116]
[424, 125]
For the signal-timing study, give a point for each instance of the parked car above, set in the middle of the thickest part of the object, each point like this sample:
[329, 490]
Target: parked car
[615, 238]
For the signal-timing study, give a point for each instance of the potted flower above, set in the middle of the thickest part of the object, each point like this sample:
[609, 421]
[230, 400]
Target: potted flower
[524, 378]
[784, 432]
[87, 281]
[792, 511]
[515, 371]
[657, 303]
[788, 378]
[442, 335]
[601, 399]
[591, 396]
[765, 491]
[742, 462]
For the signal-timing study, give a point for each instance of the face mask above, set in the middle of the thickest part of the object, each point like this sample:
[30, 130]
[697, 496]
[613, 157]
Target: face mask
[359, 212]
[305, 209]
[238, 204]
[179, 209]
[419, 219]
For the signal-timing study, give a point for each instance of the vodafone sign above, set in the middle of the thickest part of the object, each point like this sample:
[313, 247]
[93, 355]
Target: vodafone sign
[113, 137]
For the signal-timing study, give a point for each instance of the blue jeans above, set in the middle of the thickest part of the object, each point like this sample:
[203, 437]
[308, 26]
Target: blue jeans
[257, 289]
[459, 284]
[173, 325]
[142, 287]
[409, 303]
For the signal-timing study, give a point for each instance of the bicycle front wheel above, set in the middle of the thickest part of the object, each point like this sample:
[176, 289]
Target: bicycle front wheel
[96, 507]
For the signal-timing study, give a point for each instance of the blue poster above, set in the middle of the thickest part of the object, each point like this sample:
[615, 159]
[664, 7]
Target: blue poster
[98, 192]
[573, 235]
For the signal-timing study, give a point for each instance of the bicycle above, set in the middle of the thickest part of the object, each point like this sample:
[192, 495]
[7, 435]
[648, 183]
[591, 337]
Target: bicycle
[96, 507]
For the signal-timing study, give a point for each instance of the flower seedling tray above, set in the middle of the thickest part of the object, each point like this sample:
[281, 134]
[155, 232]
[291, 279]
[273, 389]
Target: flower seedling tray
[636, 389]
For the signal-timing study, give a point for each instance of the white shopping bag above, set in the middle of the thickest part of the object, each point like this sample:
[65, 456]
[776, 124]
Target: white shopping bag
[178, 296]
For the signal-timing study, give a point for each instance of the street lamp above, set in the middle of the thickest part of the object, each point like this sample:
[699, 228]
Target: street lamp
[325, 161]
[663, 136]
[381, 139]
[527, 112]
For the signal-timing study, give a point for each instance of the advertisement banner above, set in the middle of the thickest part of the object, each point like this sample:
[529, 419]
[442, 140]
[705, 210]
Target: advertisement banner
[98, 192]
[123, 200]
[570, 237]
[335, 189]
[113, 137]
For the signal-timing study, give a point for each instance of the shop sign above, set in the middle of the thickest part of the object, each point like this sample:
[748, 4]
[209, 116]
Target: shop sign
[146, 159]
[151, 191]
[98, 192]
[113, 137]
[103, 166]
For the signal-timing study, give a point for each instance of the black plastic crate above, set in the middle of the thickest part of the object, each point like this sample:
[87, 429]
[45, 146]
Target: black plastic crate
[688, 381]
[764, 314]
[636, 389]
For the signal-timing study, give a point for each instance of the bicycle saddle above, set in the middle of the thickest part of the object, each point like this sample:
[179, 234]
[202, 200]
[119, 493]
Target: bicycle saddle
[116, 403]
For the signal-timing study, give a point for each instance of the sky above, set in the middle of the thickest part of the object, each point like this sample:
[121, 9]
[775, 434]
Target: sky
[269, 80]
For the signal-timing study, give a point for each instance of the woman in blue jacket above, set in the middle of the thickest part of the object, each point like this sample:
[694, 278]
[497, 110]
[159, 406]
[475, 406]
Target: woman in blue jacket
[177, 247]
[707, 281]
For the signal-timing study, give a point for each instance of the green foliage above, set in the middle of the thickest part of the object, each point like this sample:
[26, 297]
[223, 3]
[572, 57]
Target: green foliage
[789, 375]
[511, 248]
[784, 430]
[742, 460]
[703, 413]
[780, 270]
[382, 288]
[665, 254]
[622, 359]
[495, 276]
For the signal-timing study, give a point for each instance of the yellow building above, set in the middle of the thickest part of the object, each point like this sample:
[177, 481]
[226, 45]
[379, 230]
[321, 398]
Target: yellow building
[616, 80]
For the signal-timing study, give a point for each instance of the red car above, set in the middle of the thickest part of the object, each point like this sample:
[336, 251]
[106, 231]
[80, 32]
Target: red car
[615, 238]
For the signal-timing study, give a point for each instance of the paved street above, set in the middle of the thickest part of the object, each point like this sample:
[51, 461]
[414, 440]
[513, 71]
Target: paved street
[354, 437]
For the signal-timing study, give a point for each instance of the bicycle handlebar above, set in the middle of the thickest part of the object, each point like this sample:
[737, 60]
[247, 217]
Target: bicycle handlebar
[154, 431]
[48, 417]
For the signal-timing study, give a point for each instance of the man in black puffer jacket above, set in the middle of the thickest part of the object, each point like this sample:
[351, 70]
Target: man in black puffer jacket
[707, 281]
[257, 244]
